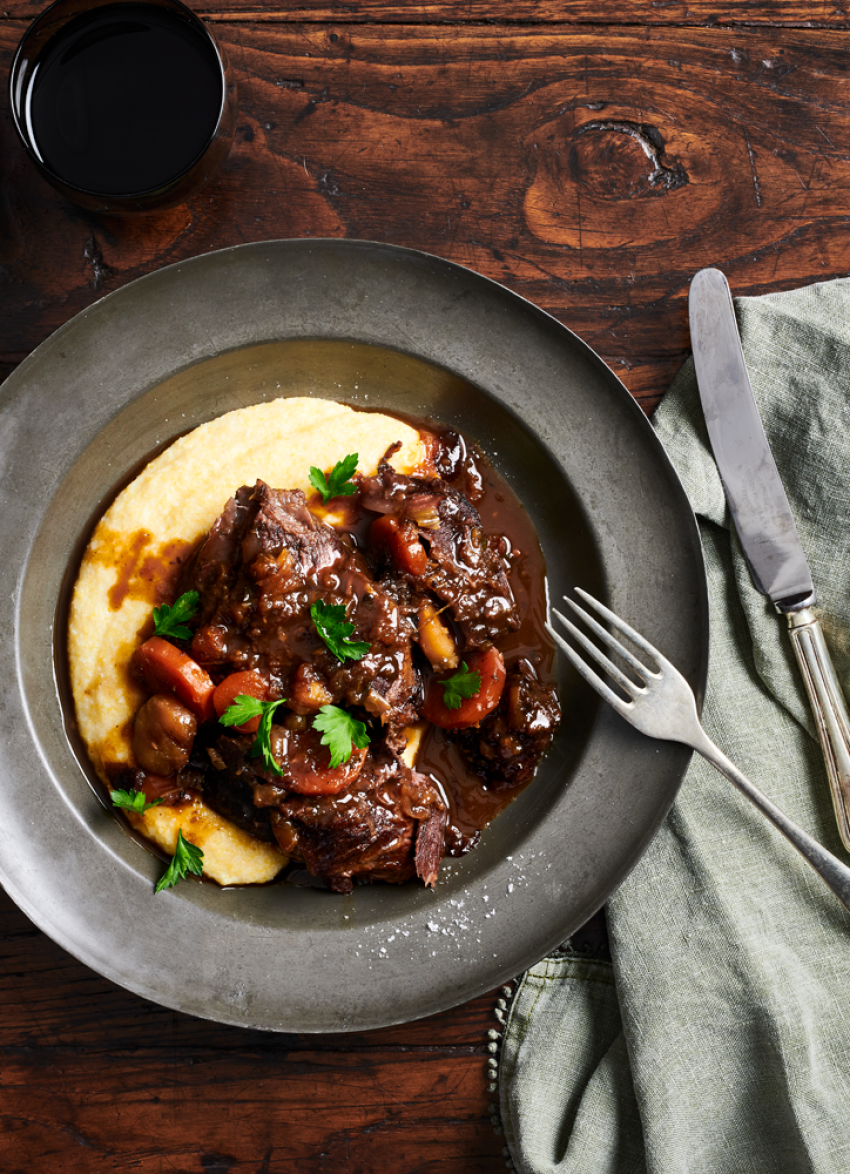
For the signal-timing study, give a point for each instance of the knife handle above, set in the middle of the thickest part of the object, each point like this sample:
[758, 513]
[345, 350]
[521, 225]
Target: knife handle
[828, 706]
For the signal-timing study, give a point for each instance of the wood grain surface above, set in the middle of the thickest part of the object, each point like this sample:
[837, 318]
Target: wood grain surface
[780, 13]
[590, 170]
[591, 167]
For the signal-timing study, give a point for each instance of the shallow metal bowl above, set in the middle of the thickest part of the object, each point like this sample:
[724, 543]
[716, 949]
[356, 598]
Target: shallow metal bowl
[379, 327]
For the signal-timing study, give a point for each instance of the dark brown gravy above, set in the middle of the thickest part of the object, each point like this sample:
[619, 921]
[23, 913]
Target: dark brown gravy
[141, 573]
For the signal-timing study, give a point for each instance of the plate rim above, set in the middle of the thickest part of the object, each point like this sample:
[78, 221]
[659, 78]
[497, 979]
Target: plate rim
[241, 1016]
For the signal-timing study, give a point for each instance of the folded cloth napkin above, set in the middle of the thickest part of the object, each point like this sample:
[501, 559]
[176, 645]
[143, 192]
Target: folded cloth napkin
[717, 1041]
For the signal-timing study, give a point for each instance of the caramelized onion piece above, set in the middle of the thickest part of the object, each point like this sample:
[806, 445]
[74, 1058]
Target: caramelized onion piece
[436, 640]
[308, 690]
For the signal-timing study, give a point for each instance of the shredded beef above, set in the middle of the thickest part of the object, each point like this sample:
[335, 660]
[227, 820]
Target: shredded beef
[233, 798]
[430, 846]
[369, 834]
[466, 567]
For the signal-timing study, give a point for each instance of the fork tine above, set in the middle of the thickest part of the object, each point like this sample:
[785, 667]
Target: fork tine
[629, 632]
[610, 639]
[597, 654]
[593, 679]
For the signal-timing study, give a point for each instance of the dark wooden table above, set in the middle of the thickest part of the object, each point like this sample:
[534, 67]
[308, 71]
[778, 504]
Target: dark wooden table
[590, 157]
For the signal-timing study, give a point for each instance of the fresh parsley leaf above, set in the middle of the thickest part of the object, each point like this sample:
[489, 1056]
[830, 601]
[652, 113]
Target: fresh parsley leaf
[338, 484]
[187, 858]
[341, 733]
[170, 621]
[241, 710]
[329, 619]
[462, 684]
[133, 801]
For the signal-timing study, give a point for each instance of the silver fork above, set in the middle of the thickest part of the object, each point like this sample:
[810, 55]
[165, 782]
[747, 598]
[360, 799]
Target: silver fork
[663, 706]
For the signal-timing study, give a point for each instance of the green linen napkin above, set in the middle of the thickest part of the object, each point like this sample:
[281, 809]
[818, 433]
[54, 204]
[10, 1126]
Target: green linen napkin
[718, 1039]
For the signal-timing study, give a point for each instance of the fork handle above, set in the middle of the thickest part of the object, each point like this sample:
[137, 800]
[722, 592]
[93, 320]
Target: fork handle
[829, 708]
[828, 867]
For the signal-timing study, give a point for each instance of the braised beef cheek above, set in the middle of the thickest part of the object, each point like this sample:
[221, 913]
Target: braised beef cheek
[265, 562]
[465, 568]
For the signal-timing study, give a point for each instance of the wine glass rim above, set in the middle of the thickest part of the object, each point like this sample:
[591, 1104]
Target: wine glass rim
[15, 79]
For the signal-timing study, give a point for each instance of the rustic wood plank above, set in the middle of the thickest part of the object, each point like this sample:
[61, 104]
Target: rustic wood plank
[645, 13]
[592, 172]
[341, 1112]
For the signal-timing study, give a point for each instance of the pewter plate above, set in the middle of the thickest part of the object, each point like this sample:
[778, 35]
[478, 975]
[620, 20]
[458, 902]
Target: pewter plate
[379, 327]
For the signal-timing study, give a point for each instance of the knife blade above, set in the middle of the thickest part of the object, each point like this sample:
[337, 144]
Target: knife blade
[763, 518]
[754, 490]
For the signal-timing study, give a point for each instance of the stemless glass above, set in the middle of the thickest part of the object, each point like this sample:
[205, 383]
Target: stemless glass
[123, 105]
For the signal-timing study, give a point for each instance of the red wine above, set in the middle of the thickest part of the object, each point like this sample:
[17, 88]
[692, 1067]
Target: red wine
[124, 98]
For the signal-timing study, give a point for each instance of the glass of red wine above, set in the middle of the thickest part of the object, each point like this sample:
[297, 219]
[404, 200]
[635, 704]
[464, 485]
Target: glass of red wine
[124, 106]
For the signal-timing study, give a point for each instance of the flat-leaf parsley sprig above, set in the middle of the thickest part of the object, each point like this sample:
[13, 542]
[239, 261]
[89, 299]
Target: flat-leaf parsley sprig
[241, 710]
[341, 733]
[188, 857]
[459, 686]
[171, 621]
[331, 625]
[136, 801]
[337, 484]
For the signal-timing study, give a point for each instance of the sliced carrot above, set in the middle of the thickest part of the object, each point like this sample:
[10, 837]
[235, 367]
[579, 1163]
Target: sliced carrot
[307, 766]
[490, 665]
[402, 542]
[165, 669]
[244, 684]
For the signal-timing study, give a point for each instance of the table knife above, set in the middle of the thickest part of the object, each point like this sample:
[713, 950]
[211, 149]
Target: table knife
[763, 517]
